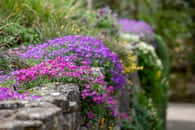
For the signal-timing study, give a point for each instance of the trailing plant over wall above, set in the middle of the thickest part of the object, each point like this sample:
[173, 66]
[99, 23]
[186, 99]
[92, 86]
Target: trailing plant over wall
[153, 76]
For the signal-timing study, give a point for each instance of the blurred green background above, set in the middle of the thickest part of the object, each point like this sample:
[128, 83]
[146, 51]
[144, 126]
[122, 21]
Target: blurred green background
[174, 21]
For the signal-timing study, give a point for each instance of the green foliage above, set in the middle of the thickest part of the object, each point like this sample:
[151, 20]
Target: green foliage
[50, 18]
[153, 80]
[13, 34]
[163, 53]
[36, 11]
[145, 115]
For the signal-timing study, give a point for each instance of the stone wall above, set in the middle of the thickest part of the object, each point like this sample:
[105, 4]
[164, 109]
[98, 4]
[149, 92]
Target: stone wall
[58, 109]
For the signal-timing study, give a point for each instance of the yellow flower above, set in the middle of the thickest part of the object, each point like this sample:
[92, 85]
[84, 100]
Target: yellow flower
[158, 74]
[140, 68]
[102, 121]
[124, 42]
[110, 128]
[132, 58]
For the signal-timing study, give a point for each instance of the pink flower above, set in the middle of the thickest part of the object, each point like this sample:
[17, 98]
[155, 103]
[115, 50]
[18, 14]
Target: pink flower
[110, 89]
[90, 115]
[124, 115]
[76, 74]
[68, 74]
[84, 62]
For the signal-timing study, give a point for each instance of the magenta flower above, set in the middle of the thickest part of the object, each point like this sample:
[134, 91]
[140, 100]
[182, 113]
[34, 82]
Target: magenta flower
[90, 115]
[88, 50]
[9, 94]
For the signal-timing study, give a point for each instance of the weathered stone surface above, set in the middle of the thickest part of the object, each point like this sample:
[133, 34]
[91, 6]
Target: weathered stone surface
[21, 125]
[11, 104]
[58, 109]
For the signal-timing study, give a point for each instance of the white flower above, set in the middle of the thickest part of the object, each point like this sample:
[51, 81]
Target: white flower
[146, 48]
[159, 63]
[130, 37]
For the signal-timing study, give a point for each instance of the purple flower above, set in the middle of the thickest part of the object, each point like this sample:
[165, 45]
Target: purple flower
[138, 27]
[9, 94]
[75, 48]
[104, 11]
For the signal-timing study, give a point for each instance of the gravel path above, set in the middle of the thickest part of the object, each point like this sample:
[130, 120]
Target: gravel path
[181, 116]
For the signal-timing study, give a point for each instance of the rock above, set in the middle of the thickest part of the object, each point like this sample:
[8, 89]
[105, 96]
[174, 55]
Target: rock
[58, 109]
[11, 104]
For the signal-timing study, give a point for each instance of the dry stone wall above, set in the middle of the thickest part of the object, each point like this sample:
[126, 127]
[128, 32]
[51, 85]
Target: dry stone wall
[58, 109]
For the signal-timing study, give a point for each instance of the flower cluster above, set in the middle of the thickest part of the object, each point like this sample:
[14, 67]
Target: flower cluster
[130, 65]
[94, 87]
[89, 49]
[147, 49]
[51, 69]
[136, 27]
[9, 94]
